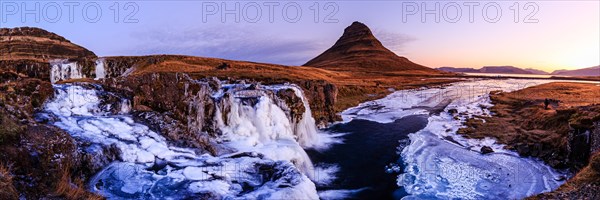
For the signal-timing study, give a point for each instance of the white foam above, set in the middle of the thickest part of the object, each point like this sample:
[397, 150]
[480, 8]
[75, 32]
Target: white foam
[325, 174]
[266, 128]
[339, 194]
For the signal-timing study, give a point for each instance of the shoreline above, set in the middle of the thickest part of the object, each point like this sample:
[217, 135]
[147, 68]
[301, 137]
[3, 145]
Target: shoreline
[565, 136]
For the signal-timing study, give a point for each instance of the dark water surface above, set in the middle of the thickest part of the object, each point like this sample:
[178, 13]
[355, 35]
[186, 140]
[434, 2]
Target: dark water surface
[367, 149]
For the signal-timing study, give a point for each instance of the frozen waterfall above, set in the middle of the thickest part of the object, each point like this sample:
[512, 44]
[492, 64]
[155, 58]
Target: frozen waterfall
[256, 124]
[64, 70]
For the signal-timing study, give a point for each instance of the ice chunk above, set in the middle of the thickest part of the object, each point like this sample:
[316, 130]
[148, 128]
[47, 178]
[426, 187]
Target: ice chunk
[195, 173]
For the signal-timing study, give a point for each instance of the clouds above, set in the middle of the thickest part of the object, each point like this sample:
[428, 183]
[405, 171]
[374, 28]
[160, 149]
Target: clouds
[242, 43]
[229, 42]
[393, 41]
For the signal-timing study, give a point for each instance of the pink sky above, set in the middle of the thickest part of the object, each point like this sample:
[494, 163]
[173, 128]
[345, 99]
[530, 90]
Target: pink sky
[566, 35]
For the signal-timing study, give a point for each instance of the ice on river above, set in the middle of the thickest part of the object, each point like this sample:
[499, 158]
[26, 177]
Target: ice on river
[443, 168]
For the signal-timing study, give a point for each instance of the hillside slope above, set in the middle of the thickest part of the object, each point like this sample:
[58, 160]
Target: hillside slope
[359, 50]
[590, 71]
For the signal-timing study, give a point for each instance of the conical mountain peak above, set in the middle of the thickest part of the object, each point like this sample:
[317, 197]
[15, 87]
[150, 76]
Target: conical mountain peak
[359, 50]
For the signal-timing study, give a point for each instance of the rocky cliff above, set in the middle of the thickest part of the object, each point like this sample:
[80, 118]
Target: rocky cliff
[29, 51]
[40, 160]
[185, 109]
[28, 43]
[321, 93]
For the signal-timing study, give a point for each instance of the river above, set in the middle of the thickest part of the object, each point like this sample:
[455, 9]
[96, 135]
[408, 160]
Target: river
[402, 146]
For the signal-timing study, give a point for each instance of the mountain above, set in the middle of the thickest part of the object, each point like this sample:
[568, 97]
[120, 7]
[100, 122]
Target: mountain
[503, 70]
[28, 51]
[458, 70]
[536, 71]
[38, 45]
[359, 50]
[590, 71]
[494, 70]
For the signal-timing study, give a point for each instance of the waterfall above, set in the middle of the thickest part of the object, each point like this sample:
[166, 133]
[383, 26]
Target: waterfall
[305, 128]
[151, 168]
[250, 119]
[64, 70]
[100, 71]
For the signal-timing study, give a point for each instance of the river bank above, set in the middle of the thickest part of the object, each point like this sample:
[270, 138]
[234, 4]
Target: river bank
[565, 136]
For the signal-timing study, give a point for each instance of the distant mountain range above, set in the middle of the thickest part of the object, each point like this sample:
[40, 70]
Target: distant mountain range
[490, 69]
[591, 71]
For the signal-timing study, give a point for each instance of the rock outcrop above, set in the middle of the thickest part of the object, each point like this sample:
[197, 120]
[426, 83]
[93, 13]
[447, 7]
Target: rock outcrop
[585, 184]
[564, 136]
[184, 109]
[164, 99]
[321, 94]
[359, 50]
[27, 43]
[28, 51]
[42, 158]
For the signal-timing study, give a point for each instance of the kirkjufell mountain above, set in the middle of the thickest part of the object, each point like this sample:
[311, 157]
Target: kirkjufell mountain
[359, 50]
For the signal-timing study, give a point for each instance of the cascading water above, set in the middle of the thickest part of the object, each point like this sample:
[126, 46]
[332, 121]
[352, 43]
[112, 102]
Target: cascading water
[305, 128]
[100, 70]
[64, 70]
[151, 168]
[261, 129]
[255, 122]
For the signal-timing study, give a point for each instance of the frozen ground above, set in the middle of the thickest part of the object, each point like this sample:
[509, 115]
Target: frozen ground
[437, 168]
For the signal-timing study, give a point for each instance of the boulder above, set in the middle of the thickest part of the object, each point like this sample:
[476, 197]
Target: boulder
[486, 150]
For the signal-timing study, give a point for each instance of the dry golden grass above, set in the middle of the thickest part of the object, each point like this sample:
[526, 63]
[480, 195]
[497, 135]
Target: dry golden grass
[7, 189]
[569, 94]
[354, 86]
[521, 122]
[73, 190]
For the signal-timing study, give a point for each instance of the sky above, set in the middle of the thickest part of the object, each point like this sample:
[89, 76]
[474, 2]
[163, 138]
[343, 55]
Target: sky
[546, 35]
